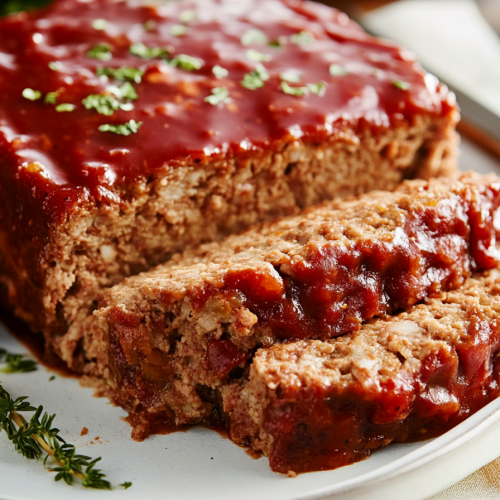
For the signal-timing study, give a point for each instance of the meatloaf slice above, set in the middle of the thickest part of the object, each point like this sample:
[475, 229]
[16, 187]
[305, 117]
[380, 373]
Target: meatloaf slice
[129, 133]
[319, 405]
[165, 340]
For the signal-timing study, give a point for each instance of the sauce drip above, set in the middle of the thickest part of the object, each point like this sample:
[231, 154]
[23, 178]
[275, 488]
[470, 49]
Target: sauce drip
[34, 343]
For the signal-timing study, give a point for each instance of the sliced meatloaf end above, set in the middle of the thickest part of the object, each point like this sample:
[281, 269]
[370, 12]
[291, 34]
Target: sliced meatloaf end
[164, 341]
[319, 405]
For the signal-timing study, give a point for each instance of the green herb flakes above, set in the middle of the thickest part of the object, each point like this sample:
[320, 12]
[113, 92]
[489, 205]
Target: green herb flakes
[99, 24]
[279, 43]
[51, 97]
[219, 95]
[255, 80]
[178, 30]
[149, 25]
[186, 62]
[296, 91]
[187, 16]
[55, 65]
[16, 363]
[255, 55]
[128, 128]
[126, 485]
[220, 72]
[101, 51]
[32, 95]
[336, 70]
[254, 37]
[123, 74]
[290, 76]
[139, 49]
[317, 88]
[400, 84]
[65, 108]
[252, 82]
[302, 38]
[104, 104]
[125, 91]
[52, 378]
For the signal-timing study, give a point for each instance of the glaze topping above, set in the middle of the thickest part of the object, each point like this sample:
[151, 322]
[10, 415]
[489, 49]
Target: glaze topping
[97, 94]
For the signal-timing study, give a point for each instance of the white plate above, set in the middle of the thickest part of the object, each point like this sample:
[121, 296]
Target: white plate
[199, 464]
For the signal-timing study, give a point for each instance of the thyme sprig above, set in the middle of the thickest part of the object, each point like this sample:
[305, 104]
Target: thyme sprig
[37, 437]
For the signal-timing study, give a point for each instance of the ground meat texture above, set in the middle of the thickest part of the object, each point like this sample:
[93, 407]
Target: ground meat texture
[82, 208]
[319, 405]
[165, 340]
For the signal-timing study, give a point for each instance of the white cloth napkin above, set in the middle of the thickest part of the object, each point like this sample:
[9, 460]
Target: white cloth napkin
[451, 39]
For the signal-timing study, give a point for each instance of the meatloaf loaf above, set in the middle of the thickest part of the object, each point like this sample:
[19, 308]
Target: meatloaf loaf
[322, 404]
[129, 133]
[165, 341]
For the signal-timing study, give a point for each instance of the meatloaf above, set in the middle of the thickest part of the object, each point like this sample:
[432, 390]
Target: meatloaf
[129, 133]
[164, 341]
[322, 404]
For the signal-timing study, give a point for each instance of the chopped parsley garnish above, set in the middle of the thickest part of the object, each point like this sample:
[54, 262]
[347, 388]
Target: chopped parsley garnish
[290, 76]
[101, 51]
[255, 80]
[279, 43]
[51, 97]
[125, 91]
[220, 72]
[32, 95]
[104, 104]
[123, 74]
[219, 95]
[99, 24]
[336, 70]
[131, 127]
[302, 38]
[317, 88]
[65, 108]
[252, 82]
[255, 55]
[400, 84]
[139, 49]
[186, 62]
[296, 91]
[126, 484]
[55, 65]
[178, 30]
[254, 37]
[187, 16]
[149, 25]
[53, 377]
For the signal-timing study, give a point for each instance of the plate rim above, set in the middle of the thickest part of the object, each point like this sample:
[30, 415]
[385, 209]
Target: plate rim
[457, 437]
